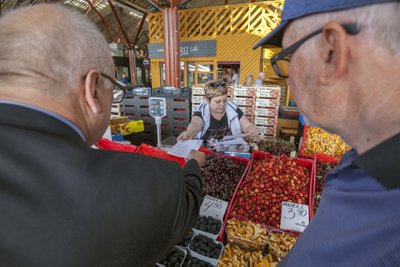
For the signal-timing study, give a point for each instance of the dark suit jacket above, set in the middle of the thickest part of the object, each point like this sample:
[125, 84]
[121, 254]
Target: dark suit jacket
[64, 204]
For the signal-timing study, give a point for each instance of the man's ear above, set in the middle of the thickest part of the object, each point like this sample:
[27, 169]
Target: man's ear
[91, 91]
[334, 52]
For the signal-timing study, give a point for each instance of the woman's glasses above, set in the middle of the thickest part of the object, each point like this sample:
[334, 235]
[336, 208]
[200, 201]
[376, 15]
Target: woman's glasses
[218, 84]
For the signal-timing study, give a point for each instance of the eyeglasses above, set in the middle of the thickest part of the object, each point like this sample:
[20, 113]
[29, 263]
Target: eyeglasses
[280, 62]
[119, 89]
[218, 84]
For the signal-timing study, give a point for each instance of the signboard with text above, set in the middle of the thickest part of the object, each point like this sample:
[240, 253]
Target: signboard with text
[294, 216]
[206, 48]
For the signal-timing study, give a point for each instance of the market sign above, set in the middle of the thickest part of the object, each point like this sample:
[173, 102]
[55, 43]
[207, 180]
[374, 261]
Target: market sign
[294, 216]
[188, 49]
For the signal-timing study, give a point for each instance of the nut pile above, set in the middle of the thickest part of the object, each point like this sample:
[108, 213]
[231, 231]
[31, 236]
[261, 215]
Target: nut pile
[221, 176]
[208, 224]
[205, 246]
[247, 234]
[319, 141]
[271, 181]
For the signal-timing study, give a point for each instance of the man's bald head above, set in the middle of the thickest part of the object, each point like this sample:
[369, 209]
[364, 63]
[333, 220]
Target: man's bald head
[49, 48]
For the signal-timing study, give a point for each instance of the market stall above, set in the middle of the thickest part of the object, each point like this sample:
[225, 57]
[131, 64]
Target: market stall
[253, 210]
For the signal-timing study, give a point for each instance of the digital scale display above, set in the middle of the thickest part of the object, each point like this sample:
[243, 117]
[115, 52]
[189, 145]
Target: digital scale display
[157, 107]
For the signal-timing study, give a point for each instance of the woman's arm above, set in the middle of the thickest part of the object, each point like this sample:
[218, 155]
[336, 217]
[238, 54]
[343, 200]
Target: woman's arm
[193, 128]
[248, 128]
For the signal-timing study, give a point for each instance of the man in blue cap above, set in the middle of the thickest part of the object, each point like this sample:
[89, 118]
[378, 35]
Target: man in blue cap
[344, 72]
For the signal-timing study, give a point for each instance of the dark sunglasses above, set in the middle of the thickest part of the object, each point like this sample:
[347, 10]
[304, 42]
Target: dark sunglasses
[218, 84]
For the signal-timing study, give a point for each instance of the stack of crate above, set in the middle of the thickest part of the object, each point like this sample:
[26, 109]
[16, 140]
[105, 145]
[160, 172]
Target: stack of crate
[267, 110]
[178, 111]
[116, 110]
[245, 98]
[136, 106]
[198, 96]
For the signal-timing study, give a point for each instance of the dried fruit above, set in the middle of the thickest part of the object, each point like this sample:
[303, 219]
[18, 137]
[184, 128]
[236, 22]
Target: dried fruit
[174, 258]
[205, 246]
[208, 224]
[186, 239]
[194, 262]
[221, 176]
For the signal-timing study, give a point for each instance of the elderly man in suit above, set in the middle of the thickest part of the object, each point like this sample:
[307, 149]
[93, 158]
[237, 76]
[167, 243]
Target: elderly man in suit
[63, 203]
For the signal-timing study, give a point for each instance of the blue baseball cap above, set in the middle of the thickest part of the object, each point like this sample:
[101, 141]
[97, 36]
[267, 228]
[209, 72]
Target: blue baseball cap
[294, 9]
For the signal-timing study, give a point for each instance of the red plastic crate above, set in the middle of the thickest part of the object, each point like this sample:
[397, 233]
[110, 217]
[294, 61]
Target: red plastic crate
[237, 159]
[302, 146]
[258, 155]
[148, 150]
[303, 142]
[323, 158]
[106, 144]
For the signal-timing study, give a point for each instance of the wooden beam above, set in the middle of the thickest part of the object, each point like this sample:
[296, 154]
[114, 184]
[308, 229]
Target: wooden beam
[226, 2]
[122, 28]
[172, 57]
[154, 4]
[132, 65]
[105, 22]
[175, 2]
[139, 30]
[130, 5]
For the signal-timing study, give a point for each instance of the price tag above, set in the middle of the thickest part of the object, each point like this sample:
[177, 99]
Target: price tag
[294, 216]
[213, 207]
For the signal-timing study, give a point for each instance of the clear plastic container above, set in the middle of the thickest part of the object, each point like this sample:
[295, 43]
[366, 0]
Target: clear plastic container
[280, 243]
[212, 261]
[183, 260]
[246, 240]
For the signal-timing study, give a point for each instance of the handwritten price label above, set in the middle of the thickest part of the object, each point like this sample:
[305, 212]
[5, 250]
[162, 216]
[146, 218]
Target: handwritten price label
[213, 207]
[294, 216]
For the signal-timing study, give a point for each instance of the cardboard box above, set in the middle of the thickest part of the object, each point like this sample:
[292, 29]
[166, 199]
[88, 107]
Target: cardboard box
[266, 121]
[267, 102]
[266, 112]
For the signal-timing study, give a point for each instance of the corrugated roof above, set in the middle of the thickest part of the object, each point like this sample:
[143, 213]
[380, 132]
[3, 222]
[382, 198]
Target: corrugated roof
[130, 12]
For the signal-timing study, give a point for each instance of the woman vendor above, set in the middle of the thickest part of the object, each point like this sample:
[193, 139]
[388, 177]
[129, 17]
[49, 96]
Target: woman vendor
[218, 117]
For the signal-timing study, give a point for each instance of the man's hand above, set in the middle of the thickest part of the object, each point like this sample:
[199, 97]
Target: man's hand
[197, 155]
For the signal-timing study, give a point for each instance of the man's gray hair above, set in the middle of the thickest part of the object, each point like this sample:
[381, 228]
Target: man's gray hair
[379, 23]
[50, 48]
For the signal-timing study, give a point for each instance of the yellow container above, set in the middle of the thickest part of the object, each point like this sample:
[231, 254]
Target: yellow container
[125, 126]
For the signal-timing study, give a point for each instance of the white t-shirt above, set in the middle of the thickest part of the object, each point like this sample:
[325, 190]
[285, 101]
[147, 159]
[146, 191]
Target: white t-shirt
[258, 82]
[235, 78]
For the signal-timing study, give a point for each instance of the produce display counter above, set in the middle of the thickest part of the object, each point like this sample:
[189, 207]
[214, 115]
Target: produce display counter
[246, 195]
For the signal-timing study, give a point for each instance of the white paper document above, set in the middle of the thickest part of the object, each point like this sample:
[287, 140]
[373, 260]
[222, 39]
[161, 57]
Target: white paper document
[232, 137]
[182, 148]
